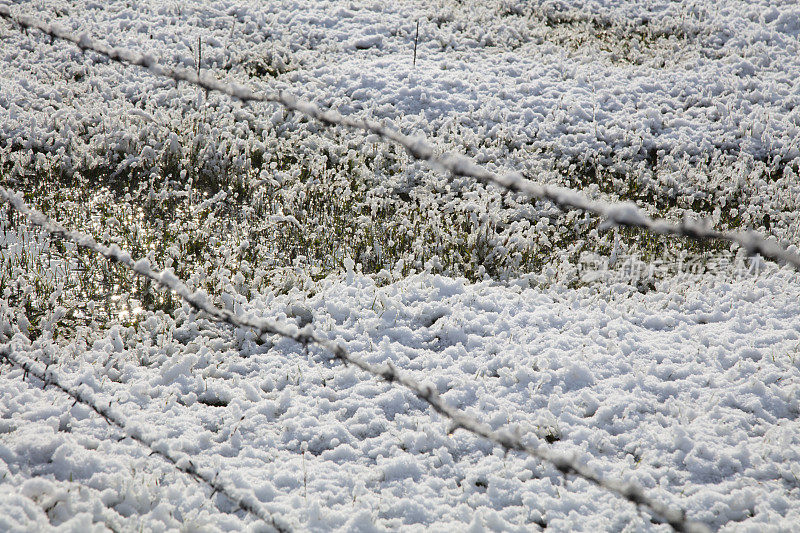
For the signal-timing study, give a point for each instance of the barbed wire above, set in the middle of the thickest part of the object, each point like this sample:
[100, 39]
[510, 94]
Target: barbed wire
[183, 464]
[506, 438]
[456, 165]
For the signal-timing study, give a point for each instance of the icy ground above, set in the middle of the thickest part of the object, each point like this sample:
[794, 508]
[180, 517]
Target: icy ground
[691, 390]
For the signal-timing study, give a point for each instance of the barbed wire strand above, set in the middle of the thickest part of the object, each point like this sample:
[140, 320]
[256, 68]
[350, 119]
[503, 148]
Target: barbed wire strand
[183, 464]
[505, 438]
[613, 213]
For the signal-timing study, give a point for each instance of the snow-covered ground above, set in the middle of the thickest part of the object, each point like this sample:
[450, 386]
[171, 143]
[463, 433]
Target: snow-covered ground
[695, 78]
[690, 388]
[693, 393]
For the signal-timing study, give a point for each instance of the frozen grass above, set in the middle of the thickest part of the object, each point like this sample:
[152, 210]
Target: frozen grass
[282, 219]
[288, 214]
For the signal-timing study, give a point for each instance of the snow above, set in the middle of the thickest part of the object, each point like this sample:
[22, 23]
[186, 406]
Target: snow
[691, 390]
[693, 394]
[727, 72]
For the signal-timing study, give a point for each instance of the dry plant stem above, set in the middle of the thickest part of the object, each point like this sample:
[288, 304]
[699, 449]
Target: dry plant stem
[615, 214]
[180, 461]
[416, 38]
[508, 439]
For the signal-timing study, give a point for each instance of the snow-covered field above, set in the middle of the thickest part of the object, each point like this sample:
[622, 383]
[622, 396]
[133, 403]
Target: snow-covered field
[687, 384]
